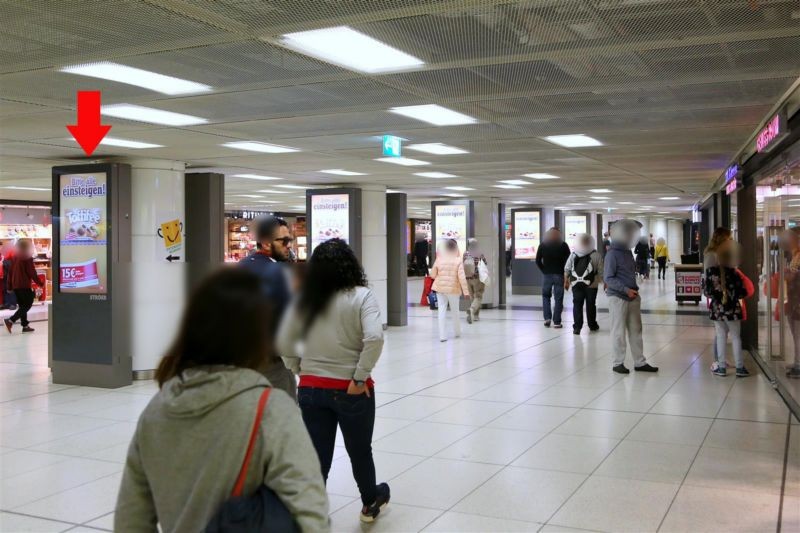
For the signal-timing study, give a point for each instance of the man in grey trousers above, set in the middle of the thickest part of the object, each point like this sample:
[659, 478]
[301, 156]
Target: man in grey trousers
[624, 302]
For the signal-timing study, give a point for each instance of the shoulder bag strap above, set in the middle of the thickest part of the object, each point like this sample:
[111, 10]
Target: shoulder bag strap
[262, 403]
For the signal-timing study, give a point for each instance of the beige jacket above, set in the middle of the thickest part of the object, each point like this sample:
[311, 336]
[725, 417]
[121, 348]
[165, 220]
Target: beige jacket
[448, 275]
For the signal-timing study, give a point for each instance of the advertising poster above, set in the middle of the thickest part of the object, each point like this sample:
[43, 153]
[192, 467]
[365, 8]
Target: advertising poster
[83, 235]
[688, 284]
[170, 246]
[526, 234]
[574, 225]
[330, 218]
[451, 223]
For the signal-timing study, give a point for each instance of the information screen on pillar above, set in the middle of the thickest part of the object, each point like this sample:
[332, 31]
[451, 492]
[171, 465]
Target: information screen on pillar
[574, 225]
[330, 218]
[527, 228]
[83, 265]
[451, 223]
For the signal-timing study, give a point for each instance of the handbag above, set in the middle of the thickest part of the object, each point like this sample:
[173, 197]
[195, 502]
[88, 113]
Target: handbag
[262, 510]
[483, 272]
[433, 300]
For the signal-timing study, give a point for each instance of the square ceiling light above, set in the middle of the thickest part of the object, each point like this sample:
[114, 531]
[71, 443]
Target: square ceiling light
[272, 191]
[541, 176]
[437, 149]
[159, 83]
[435, 175]
[340, 172]
[255, 146]
[506, 186]
[124, 143]
[434, 114]
[249, 195]
[454, 195]
[515, 182]
[459, 188]
[670, 198]
[600, 191]
[600, 198]
[625, 203]
[573, 141]
[256, 177]
[404, 161]
[298, 187]
[21, 188]
[140, 113]
[351, 49]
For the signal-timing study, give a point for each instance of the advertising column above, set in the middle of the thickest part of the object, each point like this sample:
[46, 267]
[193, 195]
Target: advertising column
[527, 224]
[575, 225]
[452, 220]
[90, 329]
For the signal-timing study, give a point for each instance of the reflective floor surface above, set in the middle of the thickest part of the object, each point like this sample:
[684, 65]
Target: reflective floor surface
[512, 427]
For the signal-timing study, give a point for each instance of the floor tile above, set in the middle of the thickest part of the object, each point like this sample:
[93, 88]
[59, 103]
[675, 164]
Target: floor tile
[649, 461]
[414, 407]
[567, 453]
[747, 436]
[533, 418]
[15, 523]
[422, 438]
[451, 522]
[607, 424]
[704, 509]
[529, 495]
[671, 429]
[639, 401]
[21, 461]
[439, 483]
[737, 470]
[470, 413]
[387, 467]
[491, 445]
[395, 518]
[609, 504]
[509, 392]
[104, 522]
[80, 504]
[566, 396]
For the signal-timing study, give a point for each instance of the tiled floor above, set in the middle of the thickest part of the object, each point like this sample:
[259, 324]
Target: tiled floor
[512, 427]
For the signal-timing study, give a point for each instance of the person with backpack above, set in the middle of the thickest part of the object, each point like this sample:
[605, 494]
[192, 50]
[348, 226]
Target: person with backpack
[474, 263]
[583, 272]
[332, 337]
[726, 286]
[216, 428]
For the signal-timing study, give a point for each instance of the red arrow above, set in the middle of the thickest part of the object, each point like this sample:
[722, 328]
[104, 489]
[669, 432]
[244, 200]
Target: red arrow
[88, 131]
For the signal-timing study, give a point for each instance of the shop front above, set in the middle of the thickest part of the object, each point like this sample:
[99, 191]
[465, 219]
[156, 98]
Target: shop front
[31, 222]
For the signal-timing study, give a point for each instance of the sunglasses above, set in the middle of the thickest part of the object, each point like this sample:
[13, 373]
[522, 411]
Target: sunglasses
[285, 240]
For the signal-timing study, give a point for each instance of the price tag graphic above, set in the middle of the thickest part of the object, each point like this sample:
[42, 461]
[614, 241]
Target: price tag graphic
[78, 275]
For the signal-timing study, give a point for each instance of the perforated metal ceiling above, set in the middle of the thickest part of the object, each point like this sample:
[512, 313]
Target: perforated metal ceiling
[672, 88]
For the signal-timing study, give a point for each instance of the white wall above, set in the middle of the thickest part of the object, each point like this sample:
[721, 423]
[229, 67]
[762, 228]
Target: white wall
[675, 240]
[373, 242]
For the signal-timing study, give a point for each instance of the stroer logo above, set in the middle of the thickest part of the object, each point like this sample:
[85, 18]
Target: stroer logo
[83, 188]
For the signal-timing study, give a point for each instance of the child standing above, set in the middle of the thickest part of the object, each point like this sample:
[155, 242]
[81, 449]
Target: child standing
[726, 286]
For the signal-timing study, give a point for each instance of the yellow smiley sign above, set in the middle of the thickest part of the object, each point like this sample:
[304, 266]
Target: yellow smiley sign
[171, 233]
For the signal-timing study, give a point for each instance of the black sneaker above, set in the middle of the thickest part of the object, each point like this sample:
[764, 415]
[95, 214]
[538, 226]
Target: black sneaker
[557, 326]
[594, 328]
[576, 331]
[621, 369]
[370, 512]
[8, 324]
[742, 372]
[28, 329]
[547, 323]
[646, 368]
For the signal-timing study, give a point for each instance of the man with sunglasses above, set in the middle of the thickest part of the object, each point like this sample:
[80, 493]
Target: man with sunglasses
[273, 250]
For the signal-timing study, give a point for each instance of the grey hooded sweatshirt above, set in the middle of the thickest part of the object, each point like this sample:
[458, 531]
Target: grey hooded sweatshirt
[189, 446]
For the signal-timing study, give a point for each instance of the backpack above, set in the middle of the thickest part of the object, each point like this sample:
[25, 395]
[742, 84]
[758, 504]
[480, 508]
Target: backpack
[582, 270]
[469, 266]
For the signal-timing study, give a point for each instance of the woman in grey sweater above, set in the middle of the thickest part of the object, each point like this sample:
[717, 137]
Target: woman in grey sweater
[332, 336]
[191, 439]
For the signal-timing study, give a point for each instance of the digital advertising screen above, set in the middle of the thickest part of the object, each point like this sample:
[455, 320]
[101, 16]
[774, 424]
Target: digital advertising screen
[574, 225]
[83, 238]
[451, 223]
[527, 228]
[330, 218]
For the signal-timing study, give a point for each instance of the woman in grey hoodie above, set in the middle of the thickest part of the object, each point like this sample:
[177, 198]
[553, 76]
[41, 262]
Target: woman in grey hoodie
[191, 439]
[338, 321]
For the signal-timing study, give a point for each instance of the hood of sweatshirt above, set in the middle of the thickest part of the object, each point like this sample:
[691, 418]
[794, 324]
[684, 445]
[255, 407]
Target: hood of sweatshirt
[199, 390]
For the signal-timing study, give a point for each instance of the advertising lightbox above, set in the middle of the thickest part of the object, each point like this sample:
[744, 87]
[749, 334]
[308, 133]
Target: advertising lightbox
[527, 233]
[83, 258]
[451, 223]
[330, 218]
[575, 225]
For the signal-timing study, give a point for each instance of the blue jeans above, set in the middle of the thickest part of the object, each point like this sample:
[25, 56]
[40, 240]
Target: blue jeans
[553, 286]
[325, 409]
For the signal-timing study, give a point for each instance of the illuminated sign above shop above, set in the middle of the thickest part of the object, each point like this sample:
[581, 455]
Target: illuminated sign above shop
[731, 172]
[732, 186]
[771, 134]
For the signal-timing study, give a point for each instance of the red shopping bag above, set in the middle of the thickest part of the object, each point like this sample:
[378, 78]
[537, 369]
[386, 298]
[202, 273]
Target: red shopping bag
[427, 287]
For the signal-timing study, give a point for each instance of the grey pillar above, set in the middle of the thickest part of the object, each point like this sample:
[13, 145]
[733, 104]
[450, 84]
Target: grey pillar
[600, 231]
[396, 260]
[558, 223]
[746, 218]
[502, 264]
[205, 224]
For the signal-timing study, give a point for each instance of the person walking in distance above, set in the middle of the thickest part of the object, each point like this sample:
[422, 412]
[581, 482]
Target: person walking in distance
[662, 257]
[791, 242]
[421, 255]
[269, 263]
[474, 260]
[551, 258]
[449, 282]
[21, 276]
[624, 302]
[332, 337]
[583, 272]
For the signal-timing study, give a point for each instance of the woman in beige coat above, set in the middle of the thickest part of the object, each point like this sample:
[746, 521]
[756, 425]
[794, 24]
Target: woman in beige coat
[449, 282]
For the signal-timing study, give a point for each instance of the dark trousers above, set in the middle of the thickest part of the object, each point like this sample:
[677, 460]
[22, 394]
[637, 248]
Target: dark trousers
[325, 409]
[422, 265]
[509, 258]
[553, 288]
[582, 293]
[25, 302]
[662, 267]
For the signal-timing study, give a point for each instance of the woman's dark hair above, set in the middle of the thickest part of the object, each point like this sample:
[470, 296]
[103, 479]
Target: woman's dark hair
[452, 245]
[333, 267]
[225, 323]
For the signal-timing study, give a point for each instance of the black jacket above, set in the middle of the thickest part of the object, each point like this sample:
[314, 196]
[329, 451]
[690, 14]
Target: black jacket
[551, 257]
[274, 283]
